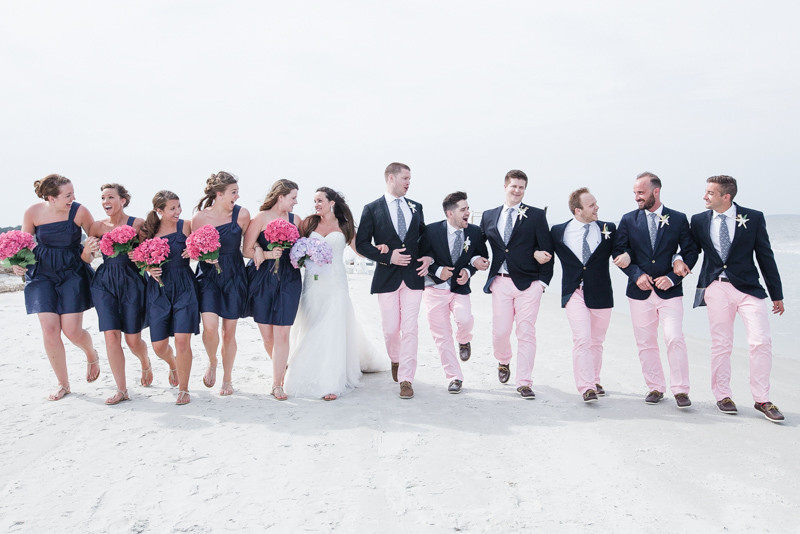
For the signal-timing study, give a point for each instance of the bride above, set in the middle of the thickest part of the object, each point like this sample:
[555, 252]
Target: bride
[329, 348]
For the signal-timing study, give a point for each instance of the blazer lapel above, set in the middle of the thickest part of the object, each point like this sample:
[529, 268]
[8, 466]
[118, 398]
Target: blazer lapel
[561, 231]
[738, 230]
[384, 210]
[644, 226]
[494, 215]
[602, 241]
[661, 227]
[518, 222]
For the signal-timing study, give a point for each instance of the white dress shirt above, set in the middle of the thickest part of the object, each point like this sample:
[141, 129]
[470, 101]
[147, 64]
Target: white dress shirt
[501, 226]
[573, 237]
[451, 239]
[392, 204]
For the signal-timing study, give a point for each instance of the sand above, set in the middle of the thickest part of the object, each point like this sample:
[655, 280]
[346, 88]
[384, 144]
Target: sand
[482, 461]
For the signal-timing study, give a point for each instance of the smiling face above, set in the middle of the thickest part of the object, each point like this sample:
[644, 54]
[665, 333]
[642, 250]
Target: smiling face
[459, 216]
[515, 190]
[171, 212]
[646, 195]
[66, 195]
[397, 184]
[715, 200]
[229, 197]
[111, 201]
[588, 212]
[322, 205]
[287, 202]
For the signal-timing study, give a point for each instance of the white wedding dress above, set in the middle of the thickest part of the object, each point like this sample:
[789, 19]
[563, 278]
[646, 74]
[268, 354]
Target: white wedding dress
[328, 346]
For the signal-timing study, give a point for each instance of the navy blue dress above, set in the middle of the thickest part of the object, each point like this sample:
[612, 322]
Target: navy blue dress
[118, 293]
[173, 309]
[273, 298]
[59, 280]
[225, 293]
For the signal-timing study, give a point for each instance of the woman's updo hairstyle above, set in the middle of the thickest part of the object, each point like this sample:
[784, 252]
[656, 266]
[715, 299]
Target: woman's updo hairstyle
[216, 183]
[152, 222]
[121, 191]
[49, 186]
[280, 188]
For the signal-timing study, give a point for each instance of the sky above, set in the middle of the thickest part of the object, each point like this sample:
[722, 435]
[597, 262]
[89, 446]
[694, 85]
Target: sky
[159, 95]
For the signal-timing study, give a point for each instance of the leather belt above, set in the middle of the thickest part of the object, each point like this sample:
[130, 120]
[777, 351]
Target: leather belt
[504, 275]
[723, 279]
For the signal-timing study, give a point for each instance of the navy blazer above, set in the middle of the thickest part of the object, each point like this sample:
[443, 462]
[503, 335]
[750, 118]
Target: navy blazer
[597, 292]
[434, 243]
[633, 235]
[376, 226]
[748, 238]
[530, 233]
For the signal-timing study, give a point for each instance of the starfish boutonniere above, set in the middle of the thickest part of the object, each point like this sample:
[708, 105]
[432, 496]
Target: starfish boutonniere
[664, 220]
[741, 220]
[606, 232]
[467, 243]
[523, 210]
[411, 206]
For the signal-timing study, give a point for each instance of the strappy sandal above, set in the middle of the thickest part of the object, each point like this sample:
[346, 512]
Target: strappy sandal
[89, 369]
[119, 396]
[281, 395]
[60, 393]
[173, 377]
[227, 389]
[210, 377]
[145, 373]
[183, 398]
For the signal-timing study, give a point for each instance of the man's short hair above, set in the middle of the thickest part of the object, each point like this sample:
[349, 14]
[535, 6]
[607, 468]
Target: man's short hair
[655, 181]
[516, 174]
[452, 200]
[395, 168]
[727, 184]
[575, 199]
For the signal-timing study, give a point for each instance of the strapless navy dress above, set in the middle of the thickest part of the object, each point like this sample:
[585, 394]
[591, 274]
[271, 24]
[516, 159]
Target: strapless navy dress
[59, 281]
[118, 293]
[273, 298]
[225, 293]
[173, 309]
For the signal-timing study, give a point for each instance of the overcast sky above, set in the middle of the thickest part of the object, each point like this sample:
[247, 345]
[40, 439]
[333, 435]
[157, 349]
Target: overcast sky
[162, 94]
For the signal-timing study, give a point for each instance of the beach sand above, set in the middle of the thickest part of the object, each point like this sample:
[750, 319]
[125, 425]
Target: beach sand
[482, 461]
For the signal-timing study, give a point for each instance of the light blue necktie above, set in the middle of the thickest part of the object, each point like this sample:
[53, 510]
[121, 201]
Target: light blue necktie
[724, 237]
[587, 252]
[653, 229]
[509, 225]
[458, 244]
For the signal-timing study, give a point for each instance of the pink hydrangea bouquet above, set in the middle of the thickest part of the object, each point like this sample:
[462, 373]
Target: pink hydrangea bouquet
[151, 253]
[313, 254]
[280, 234]
[16, 248]
[121, 239]
[203, 245]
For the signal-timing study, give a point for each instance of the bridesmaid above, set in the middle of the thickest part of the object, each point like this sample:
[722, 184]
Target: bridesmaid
[172, 310]
[118, 293]
[222, 294]
[57, 285]
[273, 298]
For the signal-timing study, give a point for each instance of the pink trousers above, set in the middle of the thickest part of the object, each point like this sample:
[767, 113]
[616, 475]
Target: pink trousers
[399, 315]
[441, 303]
[589, 328]
[646, 315]
[509, 304]
[723, 302]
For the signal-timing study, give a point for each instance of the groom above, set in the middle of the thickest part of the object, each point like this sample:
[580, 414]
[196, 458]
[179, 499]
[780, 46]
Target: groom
[398, 280]
[515, 231]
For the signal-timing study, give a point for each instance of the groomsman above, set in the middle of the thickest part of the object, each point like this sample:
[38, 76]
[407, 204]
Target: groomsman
[652, 235]
[584, 245]
[729, 235]
[397, 222]
[458, 250]
[514, 231]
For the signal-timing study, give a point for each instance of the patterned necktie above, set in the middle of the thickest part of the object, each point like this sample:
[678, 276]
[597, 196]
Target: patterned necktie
[724, 237]
[586, 250]
[653, 229]
[509, 225]
[458, 244]
[401, 221]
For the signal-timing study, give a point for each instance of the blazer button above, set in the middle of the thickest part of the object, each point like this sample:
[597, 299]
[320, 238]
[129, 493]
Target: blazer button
[724, 266]
[653, 261]
[506, 250]
[584, 268]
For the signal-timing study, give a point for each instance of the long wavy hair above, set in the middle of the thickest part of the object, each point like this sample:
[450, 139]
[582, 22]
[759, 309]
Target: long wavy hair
[152, 222]
[340, 210]
[216, 183]
[280, 188]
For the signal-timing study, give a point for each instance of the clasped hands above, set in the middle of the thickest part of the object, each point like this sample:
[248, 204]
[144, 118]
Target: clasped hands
[402, 260]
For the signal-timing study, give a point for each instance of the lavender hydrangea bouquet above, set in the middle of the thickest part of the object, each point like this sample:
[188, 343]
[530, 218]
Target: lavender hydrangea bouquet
[314, 254]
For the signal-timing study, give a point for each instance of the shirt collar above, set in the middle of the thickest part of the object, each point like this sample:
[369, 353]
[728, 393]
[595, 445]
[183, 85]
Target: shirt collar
[729, 213]
[452, 229]
[515, 206]
[391, 198]
[657, 212]
[581, 224]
